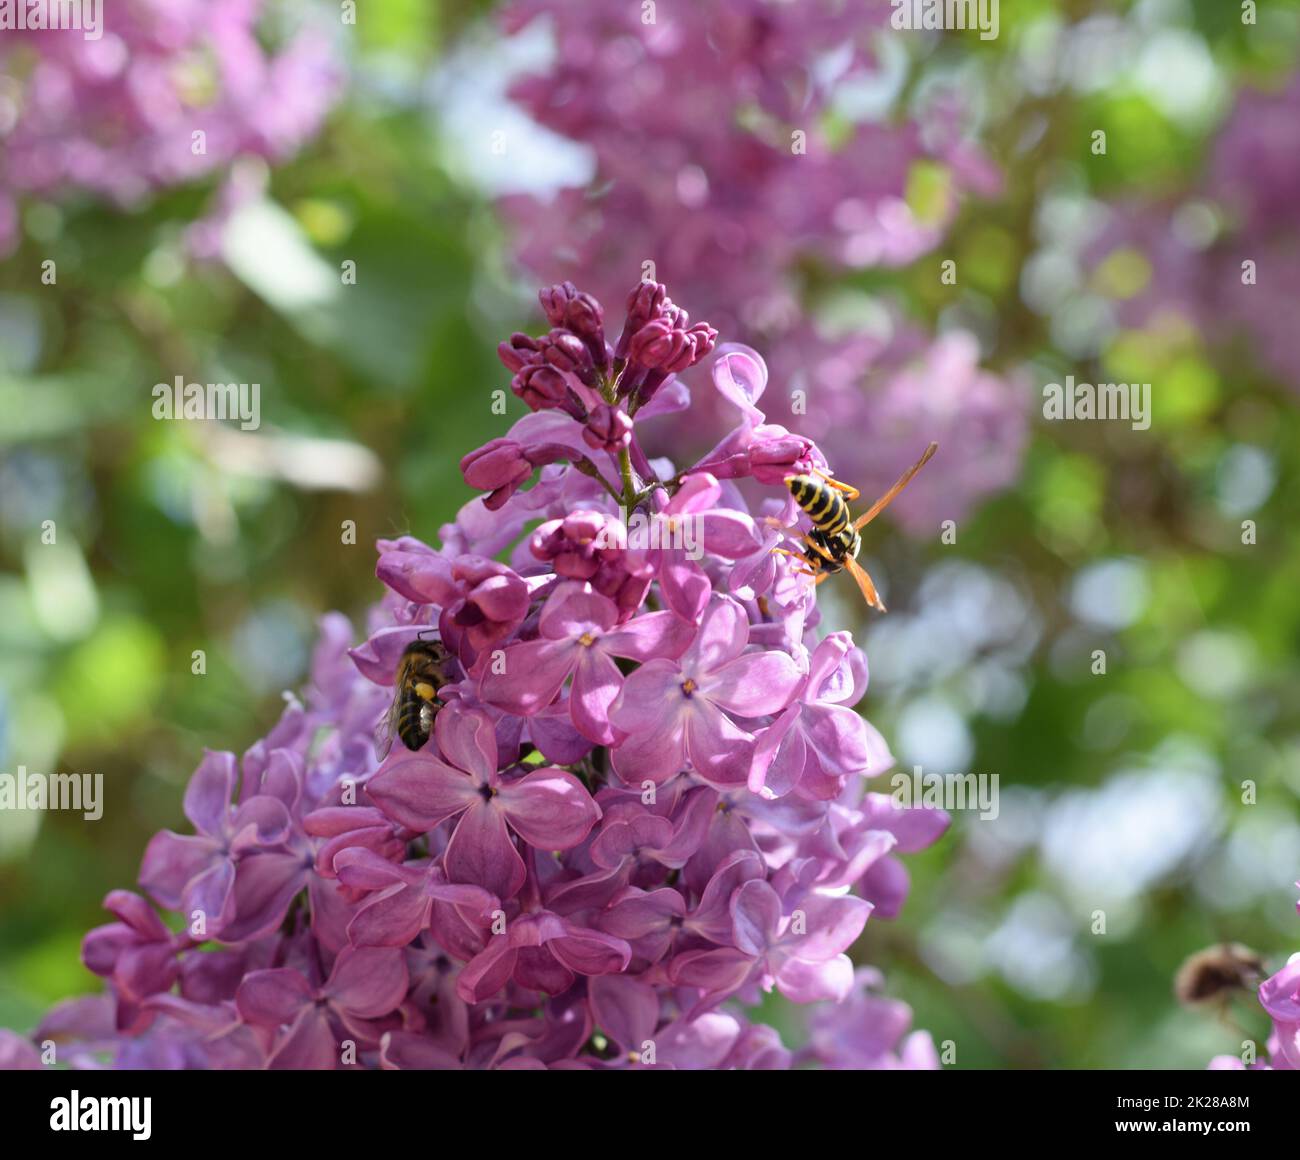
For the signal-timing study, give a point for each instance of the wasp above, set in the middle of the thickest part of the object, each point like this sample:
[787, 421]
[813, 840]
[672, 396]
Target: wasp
[422, 672]
[834, 542]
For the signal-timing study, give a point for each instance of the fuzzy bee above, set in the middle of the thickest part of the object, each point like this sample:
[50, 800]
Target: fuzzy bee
[423, 670]
[1212, 976]
[834, 542]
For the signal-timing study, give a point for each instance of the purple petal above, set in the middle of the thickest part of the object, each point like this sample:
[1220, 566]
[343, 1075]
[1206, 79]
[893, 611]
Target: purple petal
[804, 982]
[755, 684]
[885, 885]
[832, 925]
[264, 886]
[597, 683]
[779, 757]
[591, 952]
[740, 376]
[392, 918]
[1279, 994]
[261, 821]
[716, 971]
[755, 916]
[407, 1051]
[700, 492]
[367, 981]
[419, 791]
[719, 750]
[840, 739]
[271, 998]
[481, 853]
[653, 756]
[467, 740]
[626, 1010]
[550, 809]
[685, 587]
[712, 918]
[137, 914]
[207, 797]
[729, 534]
[308, 1045]
[654, 634]
[489, 971]
[574, 609]
[377, 658]
[723, 632]
[530, 675]
[651, 699]
[422, 577]
[210, 896]
[171, 861]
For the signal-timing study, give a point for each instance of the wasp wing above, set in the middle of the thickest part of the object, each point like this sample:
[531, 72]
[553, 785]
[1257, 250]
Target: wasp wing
[865, 586]
[885, 500]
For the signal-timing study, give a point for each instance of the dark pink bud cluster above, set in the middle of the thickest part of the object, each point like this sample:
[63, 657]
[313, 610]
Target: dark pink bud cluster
[537, 379]
[658, 340]
[494, 604]
[568, 308]
[668, 344]
[592, 546]
[658, 333]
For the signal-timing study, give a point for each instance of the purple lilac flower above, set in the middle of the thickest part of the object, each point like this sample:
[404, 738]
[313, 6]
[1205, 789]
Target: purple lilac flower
[117, 117]
[869, 1032]
[692, 120]
[644, 802]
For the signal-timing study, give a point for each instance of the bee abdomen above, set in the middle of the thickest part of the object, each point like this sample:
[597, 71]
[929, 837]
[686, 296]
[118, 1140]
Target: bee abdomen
[414, 720]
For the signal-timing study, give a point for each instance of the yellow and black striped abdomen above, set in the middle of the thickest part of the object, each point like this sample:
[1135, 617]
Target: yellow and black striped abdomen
[824, 504]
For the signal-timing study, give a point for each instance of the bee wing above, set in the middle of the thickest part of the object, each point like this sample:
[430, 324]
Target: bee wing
[885, 500]
[386, 730]
[865, 586]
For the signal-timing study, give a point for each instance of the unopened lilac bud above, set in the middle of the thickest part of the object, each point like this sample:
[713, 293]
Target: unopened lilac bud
[772, 461]
[544, 388]
[486, 467]
[567, 352]
[521, 351]
[664, 345]
[498, 467]
[644, 304]
[567, 307]
[608, 429]
[555, 301]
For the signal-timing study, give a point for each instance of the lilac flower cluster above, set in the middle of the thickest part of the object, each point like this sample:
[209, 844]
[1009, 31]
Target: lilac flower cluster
[645, 800]
[722, 157]
[1246, 209]
[117, 117]
[716, 155]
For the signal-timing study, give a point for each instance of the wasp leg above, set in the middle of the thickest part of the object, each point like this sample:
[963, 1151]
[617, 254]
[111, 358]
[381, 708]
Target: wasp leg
[850, 492]
[797, 556]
